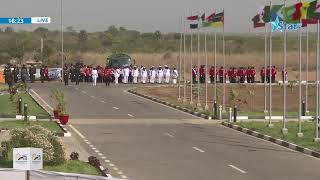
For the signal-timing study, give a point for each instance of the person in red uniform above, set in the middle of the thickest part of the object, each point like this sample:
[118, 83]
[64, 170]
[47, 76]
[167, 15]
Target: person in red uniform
[263, 74]
[202, 73]
[108, 73]
[273, 74]
[253, 75]
[230, 75]
[240, 74]
[46, 73]
[212, 74]
[268, 74]
[234, 74]
[222, 74]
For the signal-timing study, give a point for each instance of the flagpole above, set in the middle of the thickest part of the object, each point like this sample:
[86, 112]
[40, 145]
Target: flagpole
[224, 68]
[270, 125]
[265, 69]
[206, 68]
[284, 129]
[307, 67]
[317, 139]
[300, 134]
[191, 60]
[198, 68]
[184, 61]
[180, 59]
[215, 65]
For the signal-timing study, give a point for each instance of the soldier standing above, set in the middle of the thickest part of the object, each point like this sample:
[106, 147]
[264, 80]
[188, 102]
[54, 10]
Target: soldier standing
[42, 74]
[66, 76]
[77, 74]
[212, 73]
[24, 73]
[221, 74]
[263, 74]
[273, 74]
[16, 72]
[32, 71]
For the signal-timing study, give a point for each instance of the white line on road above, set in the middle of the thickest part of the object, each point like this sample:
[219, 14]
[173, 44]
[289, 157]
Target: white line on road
[124, 177]
[94, 148]
[115, 168]
[96, 151]
[84, 92]
[75, 130]
[107, 161]
[198, 149]
[238, 169]
[93, 97]
[76, 89]
[100, 154]
[42, 100]
[167, 134]
[119, 172]
[103, 157]
[103, 102]
[115, 108]
[130, 115]
[91, 145]
[112, 165]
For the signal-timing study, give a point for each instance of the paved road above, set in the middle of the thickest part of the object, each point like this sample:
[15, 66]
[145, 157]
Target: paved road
[142, 140]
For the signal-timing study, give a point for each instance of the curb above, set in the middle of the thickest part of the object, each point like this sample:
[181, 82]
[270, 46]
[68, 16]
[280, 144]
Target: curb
[40, 104]
[103, 171]
[65, 133]
[273, 140]
[204, 116]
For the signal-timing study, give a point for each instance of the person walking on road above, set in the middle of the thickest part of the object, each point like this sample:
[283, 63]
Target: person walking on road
[24, 74]
[108, 72]
[135, 73]
[32, 72]
[126, 72]
[42, 74]
[66, 75]
[144, 73]
[94, 76]
[175, 75]
[160, 75]
[167, 74]
[152, 75]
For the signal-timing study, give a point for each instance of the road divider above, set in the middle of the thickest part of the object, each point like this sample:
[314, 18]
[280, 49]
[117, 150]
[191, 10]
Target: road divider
[238, 169]
[198, 149]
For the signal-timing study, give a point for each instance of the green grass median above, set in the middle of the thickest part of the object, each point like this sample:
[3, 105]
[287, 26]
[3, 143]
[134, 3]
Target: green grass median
[308, 129]
[74, 167]
[51, 125]
[9, 108]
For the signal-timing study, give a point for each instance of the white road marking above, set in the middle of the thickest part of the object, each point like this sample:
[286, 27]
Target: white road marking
[107, 161]
[91, 145]
[85, 140]
[111, 165]
[84, 92]
[103, 102]
[119, 172]
[124, 177]
[76, 89]
[198, 149]
[238, 169]
[94, 148]
[130, 115]
[103, 157]
[116, 169]
[115, 108]
[100, 154]
[96, 151]
[167, 134]
[75, 130]
[93, 97]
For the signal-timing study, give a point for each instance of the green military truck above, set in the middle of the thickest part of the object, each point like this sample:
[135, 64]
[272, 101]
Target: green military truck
[119, 60]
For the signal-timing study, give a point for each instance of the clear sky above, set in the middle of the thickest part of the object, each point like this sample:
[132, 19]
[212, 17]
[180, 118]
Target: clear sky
[142, 15]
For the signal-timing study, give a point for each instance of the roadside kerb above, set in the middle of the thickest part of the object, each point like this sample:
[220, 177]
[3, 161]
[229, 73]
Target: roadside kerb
[195, 113]
[273, 140]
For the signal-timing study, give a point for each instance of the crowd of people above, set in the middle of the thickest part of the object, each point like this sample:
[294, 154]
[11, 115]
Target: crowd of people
[132, 74]
[128, 74]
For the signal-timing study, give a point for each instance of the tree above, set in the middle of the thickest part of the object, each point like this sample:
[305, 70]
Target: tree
[83, 37]
[113, 30]
[158, 35]
[42, 31]
[9, 30]
[122, 29]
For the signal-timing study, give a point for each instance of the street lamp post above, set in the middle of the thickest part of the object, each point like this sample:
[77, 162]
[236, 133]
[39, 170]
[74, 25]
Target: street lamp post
[62, 48]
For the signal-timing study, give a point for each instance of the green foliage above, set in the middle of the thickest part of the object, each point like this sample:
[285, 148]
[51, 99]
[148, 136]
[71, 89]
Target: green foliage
[59, 96]
[38, 137]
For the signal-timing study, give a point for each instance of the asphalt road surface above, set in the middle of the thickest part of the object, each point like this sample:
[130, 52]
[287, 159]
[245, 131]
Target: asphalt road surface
[142, 140]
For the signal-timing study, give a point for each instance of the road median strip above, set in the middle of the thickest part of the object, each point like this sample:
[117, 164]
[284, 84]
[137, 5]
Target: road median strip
[280, 142]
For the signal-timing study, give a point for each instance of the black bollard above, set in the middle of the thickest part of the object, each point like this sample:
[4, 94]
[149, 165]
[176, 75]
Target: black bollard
[235, 113]
[215, 107]
[303, 108]
[25, 111]
[20, 106]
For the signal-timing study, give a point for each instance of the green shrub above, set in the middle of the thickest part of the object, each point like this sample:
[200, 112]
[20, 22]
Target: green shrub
[38, 137]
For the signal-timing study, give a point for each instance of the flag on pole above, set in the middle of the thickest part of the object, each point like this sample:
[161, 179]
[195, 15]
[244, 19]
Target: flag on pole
[270, 14]
[292, 14]
[307, 12]
[194, 21]
[314, 10]
[258, 19]
[217, 20]
[211, 15]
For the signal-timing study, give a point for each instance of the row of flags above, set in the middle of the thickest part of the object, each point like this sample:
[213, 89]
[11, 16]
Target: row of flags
[301, 12]
[213, 20]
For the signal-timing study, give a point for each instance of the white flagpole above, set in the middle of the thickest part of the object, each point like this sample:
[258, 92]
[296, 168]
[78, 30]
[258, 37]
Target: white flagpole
[300, 134]
[191, 60]
[317, 139]
[206, 69]
[198, 68]
[284, 129]
[265, 69]
[270, 75]
[224, 69]
[180, 60]
[307, 67]
[215, 65]
[184, 62]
